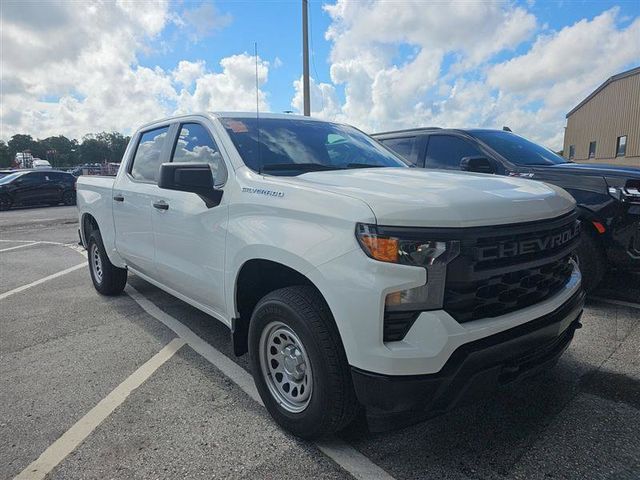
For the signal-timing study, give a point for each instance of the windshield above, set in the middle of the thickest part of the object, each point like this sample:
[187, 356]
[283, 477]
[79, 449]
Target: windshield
[518, 150]
[9, 178]
[291, 146]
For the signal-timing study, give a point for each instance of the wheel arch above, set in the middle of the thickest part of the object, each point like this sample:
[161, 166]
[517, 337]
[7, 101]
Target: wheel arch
[87, 224]
[256, 278]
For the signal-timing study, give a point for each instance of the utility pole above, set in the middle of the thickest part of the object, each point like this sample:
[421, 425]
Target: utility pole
[305, 60]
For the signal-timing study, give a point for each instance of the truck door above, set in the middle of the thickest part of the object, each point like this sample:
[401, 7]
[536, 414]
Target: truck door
[189, 236]
[133, 194]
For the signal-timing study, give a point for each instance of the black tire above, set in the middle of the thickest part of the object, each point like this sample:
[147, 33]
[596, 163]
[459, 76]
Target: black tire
[592, 261]
[69, 197]
[107, 278]
[332, 404]
[5, 202]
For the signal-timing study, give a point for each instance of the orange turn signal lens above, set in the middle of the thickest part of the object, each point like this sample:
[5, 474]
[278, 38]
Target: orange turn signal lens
[381, 248]
[393, 299]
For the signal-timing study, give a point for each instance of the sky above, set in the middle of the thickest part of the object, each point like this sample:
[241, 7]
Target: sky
[79, 66]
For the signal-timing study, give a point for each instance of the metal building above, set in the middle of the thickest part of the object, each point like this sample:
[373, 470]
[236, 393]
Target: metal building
[605, 126]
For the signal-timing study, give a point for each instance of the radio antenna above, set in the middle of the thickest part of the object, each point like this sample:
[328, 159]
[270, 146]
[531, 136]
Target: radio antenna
[255, 49]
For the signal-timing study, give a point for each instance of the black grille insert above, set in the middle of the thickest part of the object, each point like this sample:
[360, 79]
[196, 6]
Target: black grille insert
[507, 292]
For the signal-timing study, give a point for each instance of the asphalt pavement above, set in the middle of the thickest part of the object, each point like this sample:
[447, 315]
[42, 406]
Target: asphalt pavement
[114, 388]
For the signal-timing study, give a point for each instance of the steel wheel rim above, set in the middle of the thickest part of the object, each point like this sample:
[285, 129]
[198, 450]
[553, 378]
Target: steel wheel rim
[96, 263]
[286, 367]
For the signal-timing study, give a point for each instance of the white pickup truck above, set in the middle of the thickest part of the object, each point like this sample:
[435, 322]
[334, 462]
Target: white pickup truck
[351, 279]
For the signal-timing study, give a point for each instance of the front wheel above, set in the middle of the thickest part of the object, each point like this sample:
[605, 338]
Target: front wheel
[298, 363]
[591, 260]
[107, 278]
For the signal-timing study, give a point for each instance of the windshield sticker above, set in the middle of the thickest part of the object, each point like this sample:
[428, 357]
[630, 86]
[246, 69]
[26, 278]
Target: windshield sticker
[236, 126]
[262, 191]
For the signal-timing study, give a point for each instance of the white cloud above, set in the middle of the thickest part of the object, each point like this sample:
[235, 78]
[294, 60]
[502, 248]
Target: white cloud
[232, 89]
[188, 72]
[72, 68]
[419, 64]
[324, 102]
[384, 88]
[203, 21]
[571, 60]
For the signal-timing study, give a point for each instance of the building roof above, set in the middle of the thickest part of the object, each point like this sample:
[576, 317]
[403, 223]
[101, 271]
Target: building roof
[628, 73]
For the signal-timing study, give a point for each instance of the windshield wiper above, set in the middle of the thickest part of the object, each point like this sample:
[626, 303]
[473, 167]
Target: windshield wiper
[305, 167]
[363, 165]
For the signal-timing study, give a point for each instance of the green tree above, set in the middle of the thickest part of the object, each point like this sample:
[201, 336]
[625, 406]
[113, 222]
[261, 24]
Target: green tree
[103, 147]
[21, 143]
[93, 150]
[60, 151]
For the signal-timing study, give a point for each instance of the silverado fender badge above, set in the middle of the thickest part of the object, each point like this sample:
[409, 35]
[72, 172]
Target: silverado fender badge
[262, 191]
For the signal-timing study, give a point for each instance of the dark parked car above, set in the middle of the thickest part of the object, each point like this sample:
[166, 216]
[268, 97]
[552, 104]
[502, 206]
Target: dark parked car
[37, 187]
[608, 196]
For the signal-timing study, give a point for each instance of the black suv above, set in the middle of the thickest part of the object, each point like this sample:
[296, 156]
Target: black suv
[37, 187]
[608, 196]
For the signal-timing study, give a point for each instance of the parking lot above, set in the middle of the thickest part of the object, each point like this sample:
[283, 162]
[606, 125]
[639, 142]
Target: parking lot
[145, 386]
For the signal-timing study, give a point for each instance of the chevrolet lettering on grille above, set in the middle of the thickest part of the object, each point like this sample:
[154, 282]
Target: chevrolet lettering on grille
[531, 245]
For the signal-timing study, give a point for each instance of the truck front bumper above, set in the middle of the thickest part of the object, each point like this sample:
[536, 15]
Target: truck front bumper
[472, 372]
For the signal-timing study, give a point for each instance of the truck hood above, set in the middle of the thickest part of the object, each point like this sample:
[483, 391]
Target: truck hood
[596, 169]
[416, 197]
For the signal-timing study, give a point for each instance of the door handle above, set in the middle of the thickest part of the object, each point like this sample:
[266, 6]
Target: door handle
[118, 198]
[161, 205]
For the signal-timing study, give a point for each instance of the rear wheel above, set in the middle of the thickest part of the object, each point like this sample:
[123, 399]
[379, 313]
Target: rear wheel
[5, 202]
[592, 261]
[298, 363]
[107, 278]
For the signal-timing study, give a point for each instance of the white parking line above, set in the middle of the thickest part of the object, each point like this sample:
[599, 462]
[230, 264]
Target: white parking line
[350, 459]
[73, 437]
[19, 246]
[42, 280]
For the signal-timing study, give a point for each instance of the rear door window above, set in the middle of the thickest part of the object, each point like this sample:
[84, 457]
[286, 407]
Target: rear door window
[148, 157]
[406, 147]
[446, 151]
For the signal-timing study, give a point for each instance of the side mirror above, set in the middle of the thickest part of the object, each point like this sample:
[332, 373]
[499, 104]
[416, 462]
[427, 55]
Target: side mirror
[477, 164]
[190, 177]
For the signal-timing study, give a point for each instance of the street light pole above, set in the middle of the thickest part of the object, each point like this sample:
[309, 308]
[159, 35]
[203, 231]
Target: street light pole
[305, 60]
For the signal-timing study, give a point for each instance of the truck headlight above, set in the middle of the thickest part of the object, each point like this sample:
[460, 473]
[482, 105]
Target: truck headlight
[624, 192]
[433, 255]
